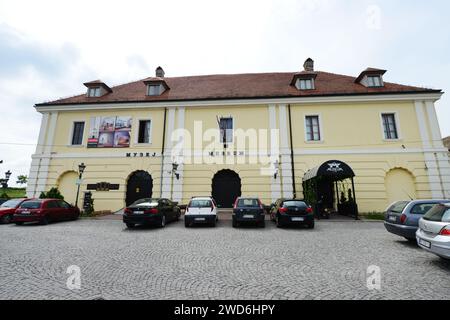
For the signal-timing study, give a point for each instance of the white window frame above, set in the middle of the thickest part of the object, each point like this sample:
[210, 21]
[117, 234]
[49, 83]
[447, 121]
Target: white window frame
[397, 126]
[299, 81]
[160, 89]
[94, 90]
[374, 86]
[232, 130]
[137, 126]
[321, 132]
[71, 132]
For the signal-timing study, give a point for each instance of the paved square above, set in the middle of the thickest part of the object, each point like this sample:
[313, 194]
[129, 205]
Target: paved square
[329, 262]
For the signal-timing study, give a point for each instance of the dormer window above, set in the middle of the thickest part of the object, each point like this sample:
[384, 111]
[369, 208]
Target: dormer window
[305, 80]
[374, 81]
[305, 84]
[94, 92]
[154, 89]
[371, 78]
[97, 89]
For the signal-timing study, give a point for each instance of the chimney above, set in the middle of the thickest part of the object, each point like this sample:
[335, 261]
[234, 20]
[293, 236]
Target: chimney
[159, 72]
[309, 65]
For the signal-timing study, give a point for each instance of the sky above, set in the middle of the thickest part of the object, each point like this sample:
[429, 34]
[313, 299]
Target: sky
[49, 48]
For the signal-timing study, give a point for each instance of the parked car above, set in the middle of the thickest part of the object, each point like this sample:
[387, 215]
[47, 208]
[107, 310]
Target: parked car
[201, 210]
[292, 212]
[433, 234]
[402, 217]
[45, 211]
[248, 210]
[147, 211]
[8, 208]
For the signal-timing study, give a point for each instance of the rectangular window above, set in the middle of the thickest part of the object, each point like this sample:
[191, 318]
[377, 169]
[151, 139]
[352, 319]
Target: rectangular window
[226, 130]
[77, 134]
[154, 90]
[374, 81]
[144, 131]
[94, 92]
[389, 126]
[306, 84]
[312, 128]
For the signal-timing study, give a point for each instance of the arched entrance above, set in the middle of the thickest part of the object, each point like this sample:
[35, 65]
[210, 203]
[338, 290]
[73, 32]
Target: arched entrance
[139, 186]
[400, 185]
[331, 188]
[67, 186]
[226, 187]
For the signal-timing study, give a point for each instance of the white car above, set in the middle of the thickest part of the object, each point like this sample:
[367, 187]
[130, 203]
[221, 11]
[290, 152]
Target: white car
[433, 234]
[201, 210]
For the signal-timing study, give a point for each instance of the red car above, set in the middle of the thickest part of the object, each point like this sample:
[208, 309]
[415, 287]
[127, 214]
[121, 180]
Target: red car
[45, 211]
[8, 208]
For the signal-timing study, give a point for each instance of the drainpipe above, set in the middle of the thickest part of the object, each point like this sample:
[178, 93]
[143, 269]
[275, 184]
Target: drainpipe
[292, 152]
[162, 152]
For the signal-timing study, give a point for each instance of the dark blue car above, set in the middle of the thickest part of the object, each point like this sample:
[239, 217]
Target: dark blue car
[402, 217]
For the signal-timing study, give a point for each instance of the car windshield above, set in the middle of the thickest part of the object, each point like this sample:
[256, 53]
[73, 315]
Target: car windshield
[439, 213]
[294, 204]
[200, 204]
[398, 206]
[11, 203]
[145, 202]
[248, 203]
[31, 205]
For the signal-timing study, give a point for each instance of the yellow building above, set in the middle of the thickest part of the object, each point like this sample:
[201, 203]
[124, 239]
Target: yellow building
[249, 134]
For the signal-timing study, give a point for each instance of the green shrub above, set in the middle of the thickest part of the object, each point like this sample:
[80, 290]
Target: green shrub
[53, 193]
[89, 210]
[4, 195]
[373, 215]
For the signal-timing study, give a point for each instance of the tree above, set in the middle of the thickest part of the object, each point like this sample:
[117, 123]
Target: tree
[53, 193]
[22, 179]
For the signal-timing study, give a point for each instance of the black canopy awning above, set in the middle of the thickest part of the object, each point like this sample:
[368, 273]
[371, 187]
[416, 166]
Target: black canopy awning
[334, 170]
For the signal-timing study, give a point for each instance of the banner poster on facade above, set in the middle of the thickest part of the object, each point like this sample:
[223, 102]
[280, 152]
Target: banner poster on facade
[109, 132]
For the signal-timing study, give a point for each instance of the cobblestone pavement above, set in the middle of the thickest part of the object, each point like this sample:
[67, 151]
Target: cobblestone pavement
[329, 262]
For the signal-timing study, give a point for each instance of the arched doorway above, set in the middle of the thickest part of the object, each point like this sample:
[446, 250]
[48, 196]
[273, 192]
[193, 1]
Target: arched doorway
[139, 186]
[226, 187]
[400, 185]
[330, 188]
[67, 186]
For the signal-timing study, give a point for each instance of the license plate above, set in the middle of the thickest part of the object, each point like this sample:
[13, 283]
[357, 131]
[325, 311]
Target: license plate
[138, 212]
[298, 219]
[249, 216]
[200, 219]
[425, 243]
[392, 218]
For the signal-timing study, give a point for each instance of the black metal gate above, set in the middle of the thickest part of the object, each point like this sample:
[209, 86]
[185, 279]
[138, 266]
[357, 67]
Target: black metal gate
[139, 186]
[226, 187]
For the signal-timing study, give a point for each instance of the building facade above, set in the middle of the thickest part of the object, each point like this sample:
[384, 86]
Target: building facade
[249, 134]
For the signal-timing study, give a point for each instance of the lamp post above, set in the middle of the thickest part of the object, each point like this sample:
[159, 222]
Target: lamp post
[4, 182]
[81, 168]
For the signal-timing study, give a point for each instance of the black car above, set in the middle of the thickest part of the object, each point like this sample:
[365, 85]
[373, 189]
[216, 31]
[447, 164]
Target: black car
[292, 212]
[248, 210]
[155, 211]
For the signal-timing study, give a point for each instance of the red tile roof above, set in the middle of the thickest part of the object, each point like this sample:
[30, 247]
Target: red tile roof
[239, 86]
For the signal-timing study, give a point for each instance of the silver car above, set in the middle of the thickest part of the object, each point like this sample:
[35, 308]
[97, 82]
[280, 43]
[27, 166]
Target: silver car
[434, 231]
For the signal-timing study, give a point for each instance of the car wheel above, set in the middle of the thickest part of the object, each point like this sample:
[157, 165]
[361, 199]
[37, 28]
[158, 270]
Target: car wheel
[262, 224]
[235, 224]
[411, 240]
[163, 222]
[18, 223]
[278, 222]
[187, 224]
[130, 225]
[6, 219]
[311, 225]
[44, 221]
